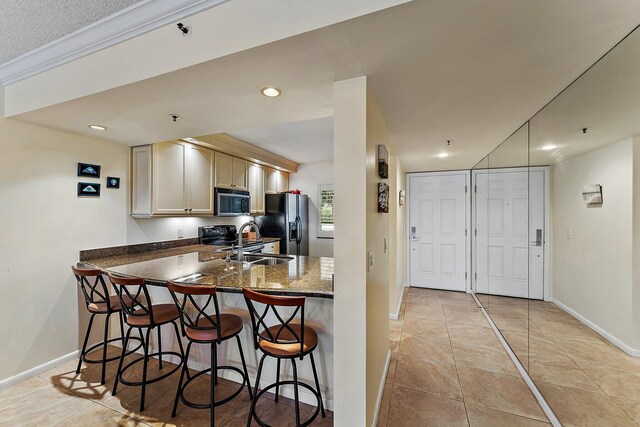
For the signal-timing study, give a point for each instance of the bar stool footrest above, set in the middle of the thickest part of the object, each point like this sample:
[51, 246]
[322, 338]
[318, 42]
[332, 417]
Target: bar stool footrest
[152, 380]
[217, 402]
[108, 359]
[281, 383]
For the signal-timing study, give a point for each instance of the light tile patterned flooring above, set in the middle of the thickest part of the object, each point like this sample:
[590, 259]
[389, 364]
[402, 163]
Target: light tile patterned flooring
[448, 368]
[62, 397]
[586, 380]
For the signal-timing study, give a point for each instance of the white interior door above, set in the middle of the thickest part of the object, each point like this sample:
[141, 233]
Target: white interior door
[437, 230]
[509, 222]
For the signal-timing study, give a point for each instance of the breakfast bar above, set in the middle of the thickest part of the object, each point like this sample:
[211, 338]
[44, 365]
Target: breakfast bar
[207, 265]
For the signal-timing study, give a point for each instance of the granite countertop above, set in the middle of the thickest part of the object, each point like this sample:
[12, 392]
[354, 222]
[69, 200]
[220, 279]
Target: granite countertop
[206, 265]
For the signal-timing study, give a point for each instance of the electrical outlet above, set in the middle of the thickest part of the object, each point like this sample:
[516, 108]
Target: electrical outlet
[180, 233]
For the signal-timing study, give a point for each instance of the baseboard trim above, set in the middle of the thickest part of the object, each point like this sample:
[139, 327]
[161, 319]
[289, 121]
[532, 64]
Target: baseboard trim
[396, 315]
[523, 372]
[30, 373]
[376, 412]
[589, 324]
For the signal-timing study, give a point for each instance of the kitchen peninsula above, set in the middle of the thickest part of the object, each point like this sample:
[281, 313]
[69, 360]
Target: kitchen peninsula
[207, 265]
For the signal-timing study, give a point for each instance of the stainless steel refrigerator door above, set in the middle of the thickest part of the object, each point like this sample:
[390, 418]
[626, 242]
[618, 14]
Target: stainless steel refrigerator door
[303, 227]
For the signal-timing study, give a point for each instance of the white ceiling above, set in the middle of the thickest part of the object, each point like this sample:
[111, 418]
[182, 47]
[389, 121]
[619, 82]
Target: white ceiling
[29, 24]
[471, 72]
[307, 141]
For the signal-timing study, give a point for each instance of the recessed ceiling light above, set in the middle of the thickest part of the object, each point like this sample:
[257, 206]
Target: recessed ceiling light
[548, 147]
[442, 155]
[271, 91]
[97, 127]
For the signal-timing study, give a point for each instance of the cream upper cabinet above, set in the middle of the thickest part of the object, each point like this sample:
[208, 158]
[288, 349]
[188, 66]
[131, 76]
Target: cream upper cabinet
[171, 179]
[231, 172]
[199, 182]
[169, 184]
[256, 188]
[275, 181]
[283, 182]
[224, 170]
[239, 180]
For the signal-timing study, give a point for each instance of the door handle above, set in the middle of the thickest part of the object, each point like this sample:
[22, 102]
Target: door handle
[413, 234]
[538, 241]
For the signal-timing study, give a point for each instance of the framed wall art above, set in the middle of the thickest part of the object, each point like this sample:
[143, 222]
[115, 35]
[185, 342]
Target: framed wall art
[383, 197]
[113, 182]
[88, 189]
[88, 170]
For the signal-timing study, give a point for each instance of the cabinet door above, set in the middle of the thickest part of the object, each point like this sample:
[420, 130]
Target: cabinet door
[283, 181]
[169, 178]
[270, 181]
[256, 188]
[224, 170]
[239, 180]
[199, 172]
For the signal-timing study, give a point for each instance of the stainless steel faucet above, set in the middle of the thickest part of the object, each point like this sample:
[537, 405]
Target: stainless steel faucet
[240, 230]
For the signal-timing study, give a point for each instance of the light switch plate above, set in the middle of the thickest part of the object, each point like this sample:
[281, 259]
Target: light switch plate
[369, 260]
[180, 233]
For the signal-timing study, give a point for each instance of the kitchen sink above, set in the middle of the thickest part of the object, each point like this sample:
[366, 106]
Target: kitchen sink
[271, 261]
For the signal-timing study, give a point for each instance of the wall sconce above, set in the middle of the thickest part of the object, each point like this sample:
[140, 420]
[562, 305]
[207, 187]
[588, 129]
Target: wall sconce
[383, 162]
[592, 194]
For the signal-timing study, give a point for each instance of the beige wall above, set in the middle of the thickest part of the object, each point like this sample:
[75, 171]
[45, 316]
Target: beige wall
[378, 276]
[43, 226]
[397, 249]
[350, 185]
[307, 179]
[592, 271]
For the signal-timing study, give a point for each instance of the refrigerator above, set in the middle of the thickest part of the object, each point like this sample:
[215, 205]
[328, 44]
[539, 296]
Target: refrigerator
[287, 218]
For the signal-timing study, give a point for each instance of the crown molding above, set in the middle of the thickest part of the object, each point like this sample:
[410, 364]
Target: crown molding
[133, 21]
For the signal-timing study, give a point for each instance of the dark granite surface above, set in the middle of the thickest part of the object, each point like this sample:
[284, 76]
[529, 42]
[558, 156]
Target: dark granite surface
[204, 265]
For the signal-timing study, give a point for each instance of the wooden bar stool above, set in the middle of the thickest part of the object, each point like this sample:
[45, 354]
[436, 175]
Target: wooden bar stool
[212, 329]
[99, 301]
[284, 340]
[142, 314]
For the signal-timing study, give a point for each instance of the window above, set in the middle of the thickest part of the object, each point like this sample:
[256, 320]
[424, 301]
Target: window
[325, 217]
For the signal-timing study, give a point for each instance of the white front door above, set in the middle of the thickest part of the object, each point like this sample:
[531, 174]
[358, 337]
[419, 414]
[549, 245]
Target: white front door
[437, 228]
[509, 222]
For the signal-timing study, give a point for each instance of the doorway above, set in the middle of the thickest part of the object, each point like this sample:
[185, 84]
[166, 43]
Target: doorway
[510, 222]
[438, 219]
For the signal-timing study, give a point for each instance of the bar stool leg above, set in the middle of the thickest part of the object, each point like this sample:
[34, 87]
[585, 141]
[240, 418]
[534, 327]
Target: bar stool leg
[124, 350]
[214, 381]
[278, 380]
[104, 348]
[84, 345]
[295, 390]
[144, 367]
[185, 368]
[315, 376]
[160, 346]
[255, 391]
[121, 327]
[244, 367]
[214, 366]
[184, 358]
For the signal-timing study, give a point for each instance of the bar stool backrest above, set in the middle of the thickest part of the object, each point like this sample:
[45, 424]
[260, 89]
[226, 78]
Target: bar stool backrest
[93, 286]
[259, 307]
[134, 296]
[192, 312]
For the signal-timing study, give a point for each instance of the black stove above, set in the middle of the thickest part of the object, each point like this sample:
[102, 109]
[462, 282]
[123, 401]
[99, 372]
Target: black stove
[226, 235]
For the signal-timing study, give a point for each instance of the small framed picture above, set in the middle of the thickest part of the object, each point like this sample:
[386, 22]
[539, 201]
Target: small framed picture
[113, 182]
[88, 189]
[383, 197]
[89, 170]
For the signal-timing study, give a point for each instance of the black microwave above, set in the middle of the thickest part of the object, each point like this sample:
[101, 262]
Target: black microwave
[229, 202]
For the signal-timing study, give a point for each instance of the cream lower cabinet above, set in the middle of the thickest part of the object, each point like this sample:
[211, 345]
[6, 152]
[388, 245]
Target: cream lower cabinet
[171, 179]
[256, 188]
[275, 181]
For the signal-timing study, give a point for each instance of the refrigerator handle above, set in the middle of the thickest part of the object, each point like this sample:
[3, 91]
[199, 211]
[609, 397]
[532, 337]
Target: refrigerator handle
[299, 235]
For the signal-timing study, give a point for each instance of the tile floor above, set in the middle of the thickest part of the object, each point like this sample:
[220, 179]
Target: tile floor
[448, 368]
[586, 380]
[60, 397]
